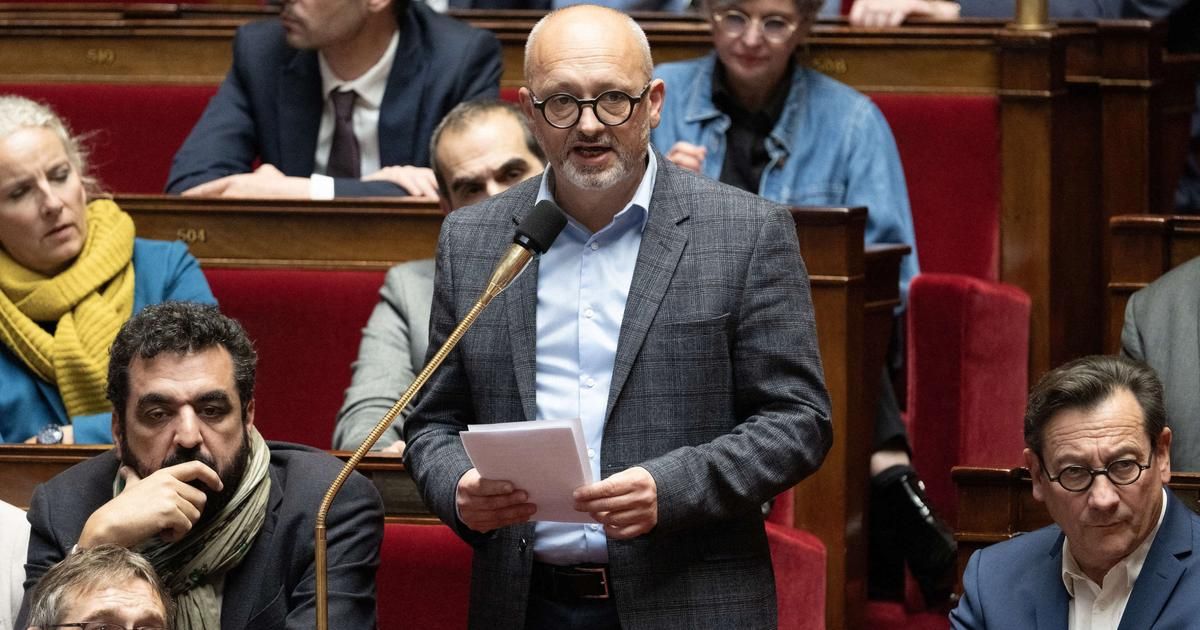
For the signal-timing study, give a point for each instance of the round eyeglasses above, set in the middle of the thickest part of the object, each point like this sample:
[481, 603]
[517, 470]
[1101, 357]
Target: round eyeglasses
[612, 108]
[1122, 472]
[774, 28]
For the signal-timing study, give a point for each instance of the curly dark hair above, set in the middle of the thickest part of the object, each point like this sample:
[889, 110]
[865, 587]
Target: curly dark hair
[178, 328]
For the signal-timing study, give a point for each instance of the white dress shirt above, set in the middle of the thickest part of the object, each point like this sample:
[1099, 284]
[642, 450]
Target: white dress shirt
[370, 87]
[14, 544]
[583, 283]
[1100, 607]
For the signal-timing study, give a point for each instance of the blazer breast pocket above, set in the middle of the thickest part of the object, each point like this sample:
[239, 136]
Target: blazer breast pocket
[691, 328]
[691, 361]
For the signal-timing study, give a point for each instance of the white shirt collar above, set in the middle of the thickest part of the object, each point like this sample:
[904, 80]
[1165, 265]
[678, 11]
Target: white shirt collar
[641, 196]
[371, 85]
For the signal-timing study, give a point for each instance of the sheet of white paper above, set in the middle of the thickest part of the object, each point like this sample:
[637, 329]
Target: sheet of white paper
[545, 458]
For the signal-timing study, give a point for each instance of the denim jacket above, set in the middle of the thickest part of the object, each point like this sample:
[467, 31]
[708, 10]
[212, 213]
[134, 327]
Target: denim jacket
[830, 147]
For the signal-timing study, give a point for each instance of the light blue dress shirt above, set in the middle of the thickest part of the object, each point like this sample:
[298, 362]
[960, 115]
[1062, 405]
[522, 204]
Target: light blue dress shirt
[583, 283]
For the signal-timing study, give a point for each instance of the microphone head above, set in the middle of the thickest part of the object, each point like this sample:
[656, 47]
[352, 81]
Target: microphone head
[540, 227]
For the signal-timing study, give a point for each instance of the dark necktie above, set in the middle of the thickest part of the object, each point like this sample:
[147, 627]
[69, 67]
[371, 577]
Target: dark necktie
[343, 153]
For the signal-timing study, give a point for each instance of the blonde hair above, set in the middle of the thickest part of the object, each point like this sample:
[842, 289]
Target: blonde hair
[18, 112]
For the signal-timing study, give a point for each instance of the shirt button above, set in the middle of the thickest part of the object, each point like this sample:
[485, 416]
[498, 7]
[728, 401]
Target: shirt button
[591, 382]
[589, 313]
[594, 527]
[591, 454]
[595, 246]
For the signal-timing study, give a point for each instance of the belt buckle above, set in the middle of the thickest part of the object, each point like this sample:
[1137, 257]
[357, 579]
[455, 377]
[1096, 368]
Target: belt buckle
[603, 573]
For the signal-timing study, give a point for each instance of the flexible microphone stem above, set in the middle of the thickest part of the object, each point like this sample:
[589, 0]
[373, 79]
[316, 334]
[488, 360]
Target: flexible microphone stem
[544, 224]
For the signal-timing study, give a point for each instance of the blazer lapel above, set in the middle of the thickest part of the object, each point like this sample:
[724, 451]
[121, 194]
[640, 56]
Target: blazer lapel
[400, 110]
[520, 303]
[299, 108]
[662, 244]
[1162, 569]
[1048, 590]
[245, 587]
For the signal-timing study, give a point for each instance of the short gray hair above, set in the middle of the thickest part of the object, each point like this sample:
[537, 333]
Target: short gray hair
[85, 571]
[635, 29]
[18, 112]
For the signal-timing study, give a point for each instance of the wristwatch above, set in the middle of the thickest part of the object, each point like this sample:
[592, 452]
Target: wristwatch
[50, 434]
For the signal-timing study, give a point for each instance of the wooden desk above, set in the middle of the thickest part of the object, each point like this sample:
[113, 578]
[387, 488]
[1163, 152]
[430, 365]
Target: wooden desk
[22, 467]
[336, 234]
[995, 504]
[1144, 247]
[854, 292]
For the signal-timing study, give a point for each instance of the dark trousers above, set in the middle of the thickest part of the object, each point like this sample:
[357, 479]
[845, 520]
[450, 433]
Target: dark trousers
[585, 614]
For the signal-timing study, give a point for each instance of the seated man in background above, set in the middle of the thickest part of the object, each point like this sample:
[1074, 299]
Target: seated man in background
[226, 519]
[330, 92]
[1162, 328]
[105, 585]
[480, 149]
[1120, 552]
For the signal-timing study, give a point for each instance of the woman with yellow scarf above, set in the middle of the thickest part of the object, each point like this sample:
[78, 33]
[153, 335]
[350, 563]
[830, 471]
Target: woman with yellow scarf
[71, 272]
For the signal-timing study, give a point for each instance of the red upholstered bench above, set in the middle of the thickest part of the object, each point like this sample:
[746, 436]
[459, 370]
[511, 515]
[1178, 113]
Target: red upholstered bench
[967, 334]
[132, 131]
[306, 325]
[424, 578]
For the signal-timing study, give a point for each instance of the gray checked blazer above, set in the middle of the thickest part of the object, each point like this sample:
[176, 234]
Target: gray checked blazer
[717, 391]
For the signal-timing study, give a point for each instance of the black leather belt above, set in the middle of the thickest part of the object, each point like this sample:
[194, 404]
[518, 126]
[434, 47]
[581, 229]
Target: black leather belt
[571, 583]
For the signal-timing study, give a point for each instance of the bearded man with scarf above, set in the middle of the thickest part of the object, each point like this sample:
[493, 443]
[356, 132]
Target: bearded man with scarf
[225, 517]
[71, 272]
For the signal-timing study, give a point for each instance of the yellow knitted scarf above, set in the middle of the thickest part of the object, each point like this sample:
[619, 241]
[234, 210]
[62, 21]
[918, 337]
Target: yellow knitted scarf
[89, 301]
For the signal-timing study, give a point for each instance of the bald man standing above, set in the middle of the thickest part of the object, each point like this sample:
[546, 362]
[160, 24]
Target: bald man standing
[672, 316]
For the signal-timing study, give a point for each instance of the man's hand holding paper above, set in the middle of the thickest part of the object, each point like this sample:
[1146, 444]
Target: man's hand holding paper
[625, 503]
[487, 504]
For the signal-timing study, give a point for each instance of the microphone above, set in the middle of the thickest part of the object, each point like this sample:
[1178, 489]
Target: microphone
[534, 235]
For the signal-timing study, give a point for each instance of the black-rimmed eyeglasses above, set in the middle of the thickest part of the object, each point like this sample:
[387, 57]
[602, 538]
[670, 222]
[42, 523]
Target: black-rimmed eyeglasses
[775, 28]
[612, 108]
[1122, 472]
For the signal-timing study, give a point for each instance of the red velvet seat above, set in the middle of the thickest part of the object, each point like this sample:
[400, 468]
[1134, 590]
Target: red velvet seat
[424, 578]
[967, 334]
[132, 131]
[306, 325]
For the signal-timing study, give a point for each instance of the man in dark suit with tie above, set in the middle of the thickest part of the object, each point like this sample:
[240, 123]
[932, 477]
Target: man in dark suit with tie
[335, 98]
[672, 316]
[1121, 553]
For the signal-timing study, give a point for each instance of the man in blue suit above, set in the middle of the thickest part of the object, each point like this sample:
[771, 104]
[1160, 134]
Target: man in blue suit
[1120, 553]
[335, 98]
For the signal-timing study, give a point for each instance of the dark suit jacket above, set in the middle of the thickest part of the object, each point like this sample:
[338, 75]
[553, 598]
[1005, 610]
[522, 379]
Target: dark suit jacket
[274, 586]
[1018, 583]
[1162, 328]
[717, 390]
[269, 106]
